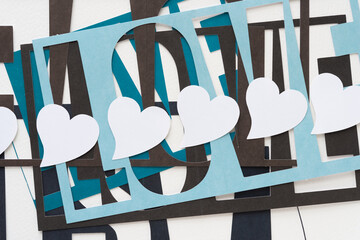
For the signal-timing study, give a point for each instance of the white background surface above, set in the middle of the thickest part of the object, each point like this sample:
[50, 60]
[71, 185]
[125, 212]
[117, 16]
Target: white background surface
[331, 221]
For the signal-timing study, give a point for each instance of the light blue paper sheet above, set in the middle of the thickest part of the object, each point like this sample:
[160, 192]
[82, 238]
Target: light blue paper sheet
[224, 174]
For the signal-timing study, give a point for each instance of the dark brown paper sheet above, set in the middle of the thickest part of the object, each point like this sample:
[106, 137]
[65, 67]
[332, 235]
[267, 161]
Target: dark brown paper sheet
[7, 44]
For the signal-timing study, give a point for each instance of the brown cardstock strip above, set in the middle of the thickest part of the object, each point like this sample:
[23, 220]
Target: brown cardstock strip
[60, 19]
[211, 206]
[305, 39]
[249, 150]
[108, 231]
[30, 105]
[7, 44]
[30, 101]
[343, 142]
[145, 47]
[80, 103]
[60, 16]
[228, 50]
[280, 144]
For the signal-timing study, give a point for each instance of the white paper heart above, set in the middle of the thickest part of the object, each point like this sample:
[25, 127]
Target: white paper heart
[134, 131]
[335, 108]
[64, 139]
[204, 120]
[273, 113]
[8, 128]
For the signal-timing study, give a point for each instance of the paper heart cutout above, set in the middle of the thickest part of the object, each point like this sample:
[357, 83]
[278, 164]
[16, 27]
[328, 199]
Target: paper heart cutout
[64, 139]
[134, 131]
[335, 108]
[8, 128]
[273, 113]
[204, 120]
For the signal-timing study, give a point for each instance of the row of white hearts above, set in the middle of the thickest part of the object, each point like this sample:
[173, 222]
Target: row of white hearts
[137, 131]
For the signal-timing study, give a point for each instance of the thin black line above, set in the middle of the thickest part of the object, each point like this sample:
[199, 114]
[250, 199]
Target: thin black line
[301, 221]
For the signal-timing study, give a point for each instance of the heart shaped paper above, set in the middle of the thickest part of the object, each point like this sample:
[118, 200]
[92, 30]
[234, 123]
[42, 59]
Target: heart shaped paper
[273, 113]
[335, 108]
[204, 120]
[134, 131]
[64, 139]
[8, 128]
